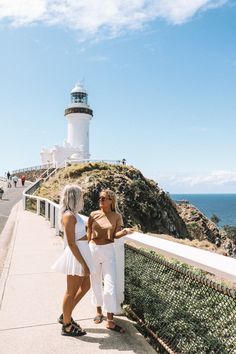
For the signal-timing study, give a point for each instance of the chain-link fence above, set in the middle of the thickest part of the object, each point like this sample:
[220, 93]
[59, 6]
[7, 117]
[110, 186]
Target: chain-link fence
[187, 312]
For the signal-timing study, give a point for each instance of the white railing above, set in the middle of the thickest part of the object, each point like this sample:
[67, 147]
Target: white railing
[48, 173]
[71, 162]
[34, 168]
[51, 209]
[221, 266]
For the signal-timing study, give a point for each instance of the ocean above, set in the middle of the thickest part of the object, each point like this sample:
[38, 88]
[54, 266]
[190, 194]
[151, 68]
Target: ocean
[222, 205]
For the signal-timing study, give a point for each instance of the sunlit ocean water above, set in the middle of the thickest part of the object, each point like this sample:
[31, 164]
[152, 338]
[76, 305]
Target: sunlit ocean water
[222, 205]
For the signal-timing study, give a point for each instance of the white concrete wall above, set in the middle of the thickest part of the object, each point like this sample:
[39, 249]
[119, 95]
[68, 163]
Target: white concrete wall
[46, 156]
[221, 266]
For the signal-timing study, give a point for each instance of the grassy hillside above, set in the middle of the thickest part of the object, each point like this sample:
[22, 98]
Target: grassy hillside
[142, 203]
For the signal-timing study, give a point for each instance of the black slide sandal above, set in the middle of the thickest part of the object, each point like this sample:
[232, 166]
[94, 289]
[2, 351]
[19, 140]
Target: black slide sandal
[60, 320]
[117, 328]
[74, 331]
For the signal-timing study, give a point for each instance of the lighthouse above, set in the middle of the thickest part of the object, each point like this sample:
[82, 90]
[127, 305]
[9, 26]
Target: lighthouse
[76, 146]
[78, 115]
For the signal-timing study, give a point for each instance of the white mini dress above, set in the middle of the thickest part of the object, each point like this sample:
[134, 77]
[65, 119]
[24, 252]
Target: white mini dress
[67, 263]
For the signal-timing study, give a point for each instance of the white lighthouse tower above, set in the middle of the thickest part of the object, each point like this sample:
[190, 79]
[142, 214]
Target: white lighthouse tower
[76, 146]
[78, 115]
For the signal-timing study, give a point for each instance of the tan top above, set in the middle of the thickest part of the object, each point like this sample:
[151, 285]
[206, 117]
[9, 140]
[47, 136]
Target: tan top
[104, 225]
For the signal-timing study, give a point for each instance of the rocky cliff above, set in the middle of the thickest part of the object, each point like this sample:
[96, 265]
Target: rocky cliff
[142, 203]
[198, 225]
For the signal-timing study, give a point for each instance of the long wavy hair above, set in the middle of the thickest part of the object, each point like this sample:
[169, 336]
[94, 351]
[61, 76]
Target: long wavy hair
[112, 196]
[71, 200]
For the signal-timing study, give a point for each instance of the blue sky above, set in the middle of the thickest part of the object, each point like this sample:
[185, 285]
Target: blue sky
[161, 79]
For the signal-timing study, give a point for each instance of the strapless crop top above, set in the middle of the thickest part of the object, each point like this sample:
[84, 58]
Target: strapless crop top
[80, 230]
[104, 225]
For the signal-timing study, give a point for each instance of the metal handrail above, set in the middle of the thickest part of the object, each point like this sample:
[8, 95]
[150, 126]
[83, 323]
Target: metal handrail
[32, 168]
[88, 160]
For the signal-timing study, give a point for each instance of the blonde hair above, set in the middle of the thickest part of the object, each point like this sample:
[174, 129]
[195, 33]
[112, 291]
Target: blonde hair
[112, 196]
[71, 199]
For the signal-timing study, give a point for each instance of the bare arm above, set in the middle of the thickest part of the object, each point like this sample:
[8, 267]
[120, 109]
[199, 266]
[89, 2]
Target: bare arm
[69, 223]
[124, 232]
[89, 228]
[120, 231]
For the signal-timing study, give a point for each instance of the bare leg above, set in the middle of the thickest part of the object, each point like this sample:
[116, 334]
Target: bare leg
[74, 282]
[109, 318]
[83, 289]
[99, 310]
[111, 324]
[99, 316]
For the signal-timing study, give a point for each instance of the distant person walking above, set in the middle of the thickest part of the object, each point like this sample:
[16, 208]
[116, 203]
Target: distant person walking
[105, 225]
[22, 180]
[15, 180]
[76, 260]
[8, 175]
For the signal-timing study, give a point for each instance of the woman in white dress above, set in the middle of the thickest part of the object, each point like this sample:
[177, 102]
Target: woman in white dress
[75, 261]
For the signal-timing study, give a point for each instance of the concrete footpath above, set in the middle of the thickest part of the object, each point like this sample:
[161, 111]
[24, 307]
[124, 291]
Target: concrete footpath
[10, 197]
[31, 296]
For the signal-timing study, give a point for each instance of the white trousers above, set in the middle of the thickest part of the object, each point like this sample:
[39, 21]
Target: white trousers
[104, 263]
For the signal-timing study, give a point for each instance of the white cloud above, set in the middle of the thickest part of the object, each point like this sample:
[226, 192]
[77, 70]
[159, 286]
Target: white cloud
[101, 17]
[216, 178]
[180, 11]
[218, 181]
[22, 12]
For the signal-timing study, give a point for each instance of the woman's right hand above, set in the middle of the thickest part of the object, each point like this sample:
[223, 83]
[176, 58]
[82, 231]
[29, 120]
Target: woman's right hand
[128, 230]
[86, 270]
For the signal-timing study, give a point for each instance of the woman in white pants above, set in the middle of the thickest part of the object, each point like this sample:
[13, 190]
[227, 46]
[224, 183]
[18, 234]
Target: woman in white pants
[104, 226]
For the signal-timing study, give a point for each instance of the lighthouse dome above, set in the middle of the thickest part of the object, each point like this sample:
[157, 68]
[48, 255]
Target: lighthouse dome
[78, 88]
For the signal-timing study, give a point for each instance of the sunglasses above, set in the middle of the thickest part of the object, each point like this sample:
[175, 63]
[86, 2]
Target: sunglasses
[102, 199]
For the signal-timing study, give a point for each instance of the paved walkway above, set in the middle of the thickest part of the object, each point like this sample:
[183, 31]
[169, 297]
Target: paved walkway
[10, 197]
[31, 295]
[7, 217]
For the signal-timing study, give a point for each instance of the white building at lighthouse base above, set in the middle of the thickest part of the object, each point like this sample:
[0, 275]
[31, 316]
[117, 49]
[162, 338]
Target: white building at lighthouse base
[58, 155]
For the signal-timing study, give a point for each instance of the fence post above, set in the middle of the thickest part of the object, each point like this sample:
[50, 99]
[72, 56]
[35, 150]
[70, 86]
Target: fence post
[24, 202]
[120, 273]
[38, 206]
[56, 221]
[46, 210]
[51, 215]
